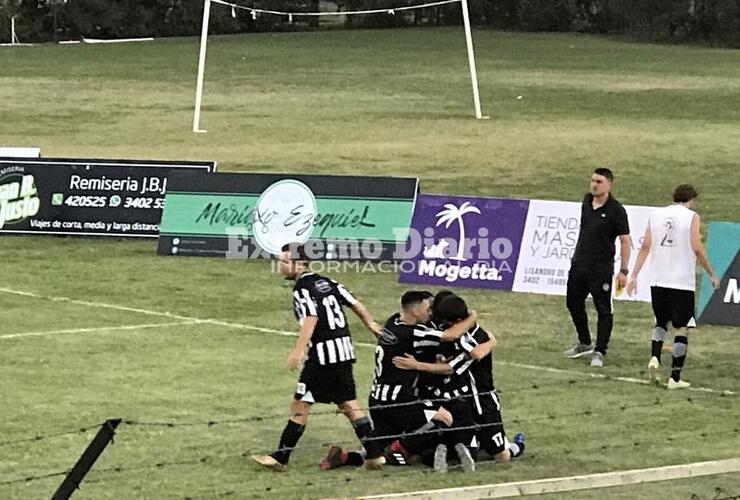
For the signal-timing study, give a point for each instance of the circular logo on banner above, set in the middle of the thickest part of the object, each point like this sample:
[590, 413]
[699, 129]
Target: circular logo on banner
[284, 214]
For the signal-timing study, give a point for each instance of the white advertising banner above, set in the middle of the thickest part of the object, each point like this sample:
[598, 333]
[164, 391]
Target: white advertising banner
[549, 240]
[20, 152]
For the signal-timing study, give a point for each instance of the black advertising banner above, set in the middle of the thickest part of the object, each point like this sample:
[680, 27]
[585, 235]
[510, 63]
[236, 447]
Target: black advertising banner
[250, 215]
[723, 307]
[86, 197]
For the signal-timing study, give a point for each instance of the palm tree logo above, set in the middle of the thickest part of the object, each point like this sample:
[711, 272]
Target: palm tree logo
[453, 213]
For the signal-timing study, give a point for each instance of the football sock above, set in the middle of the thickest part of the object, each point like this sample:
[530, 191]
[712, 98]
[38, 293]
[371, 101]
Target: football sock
[291, 434]
[657, 341]
[680, 346]
[516, 449]
[354, 458]
[364, 431]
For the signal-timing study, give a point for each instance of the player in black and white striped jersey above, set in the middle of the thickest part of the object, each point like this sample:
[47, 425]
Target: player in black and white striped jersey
[468, 383]
[324, 339]
[394, 405]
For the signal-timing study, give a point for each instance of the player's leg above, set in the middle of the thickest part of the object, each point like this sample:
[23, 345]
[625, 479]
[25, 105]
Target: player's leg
[661, 305]
[575, 300]
[492, 436]
[292, 432]
[462, 432]
[683, 320]
[382, 426]
[363, 428]
[601, 291]
[424, 426]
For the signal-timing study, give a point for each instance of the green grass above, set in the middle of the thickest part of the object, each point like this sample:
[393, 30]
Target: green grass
[363, 102]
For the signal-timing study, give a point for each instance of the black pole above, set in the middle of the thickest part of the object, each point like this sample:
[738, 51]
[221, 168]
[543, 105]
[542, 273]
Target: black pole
[88, 458]
[54, 16]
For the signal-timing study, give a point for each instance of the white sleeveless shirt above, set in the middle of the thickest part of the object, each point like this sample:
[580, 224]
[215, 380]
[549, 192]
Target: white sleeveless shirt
[673, 263]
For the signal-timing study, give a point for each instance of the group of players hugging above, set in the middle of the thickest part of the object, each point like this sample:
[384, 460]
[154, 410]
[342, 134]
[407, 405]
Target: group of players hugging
[432, 399]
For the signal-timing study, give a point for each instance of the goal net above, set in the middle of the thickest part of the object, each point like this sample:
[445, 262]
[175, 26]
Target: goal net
[290, 16]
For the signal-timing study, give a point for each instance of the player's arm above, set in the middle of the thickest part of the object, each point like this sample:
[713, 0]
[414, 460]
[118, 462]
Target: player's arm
[701, 254]
[460, 328]
[625, 248]
[484, 349]
[308, 325]
[642, 256]
[347, 299]
[366, 318]
[409, 362]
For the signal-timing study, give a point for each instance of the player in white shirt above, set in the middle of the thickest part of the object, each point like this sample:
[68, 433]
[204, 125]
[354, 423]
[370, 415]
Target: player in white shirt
[673, 241]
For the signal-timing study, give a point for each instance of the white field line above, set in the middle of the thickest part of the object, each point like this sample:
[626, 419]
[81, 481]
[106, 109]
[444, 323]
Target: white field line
[241, 326]
[572, 483]
[94, 329]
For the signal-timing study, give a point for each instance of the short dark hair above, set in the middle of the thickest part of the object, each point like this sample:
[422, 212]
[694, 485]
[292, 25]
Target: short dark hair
[684, 193]
[297, 251]
[605, 172]
[442, 294]
[413, 297]
[450, 309]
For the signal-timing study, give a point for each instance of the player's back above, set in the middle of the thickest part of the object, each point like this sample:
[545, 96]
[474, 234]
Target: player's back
[397, 339]
[481, 370]
[673, 261]
[323, 298]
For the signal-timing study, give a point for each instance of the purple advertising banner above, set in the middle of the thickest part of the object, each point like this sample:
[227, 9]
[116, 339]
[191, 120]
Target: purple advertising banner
[464, 241]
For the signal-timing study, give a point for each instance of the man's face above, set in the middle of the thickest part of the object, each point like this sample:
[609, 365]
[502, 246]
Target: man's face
[422, 311]
[600, 185]
[288, 267]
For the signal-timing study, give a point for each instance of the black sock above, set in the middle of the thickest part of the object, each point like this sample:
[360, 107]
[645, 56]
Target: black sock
[680, 346]
[657, 337]
[291, 434]
[354, 458]
[657, 348]
[426, 436]
[364, 431]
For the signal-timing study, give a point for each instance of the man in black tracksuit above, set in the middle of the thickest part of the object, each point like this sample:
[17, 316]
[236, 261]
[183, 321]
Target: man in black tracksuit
[603, 219]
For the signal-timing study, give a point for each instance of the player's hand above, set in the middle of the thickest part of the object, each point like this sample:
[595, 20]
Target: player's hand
[376, 329]
[632, 287]
[715, 282]
[405, 362]
[621, 280]
[294, 358]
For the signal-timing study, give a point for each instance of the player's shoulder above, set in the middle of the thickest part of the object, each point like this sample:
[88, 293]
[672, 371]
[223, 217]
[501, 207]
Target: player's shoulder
[479, 333]
[313, 281]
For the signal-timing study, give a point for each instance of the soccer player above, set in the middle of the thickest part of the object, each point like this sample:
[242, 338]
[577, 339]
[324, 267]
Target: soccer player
[603, 219]
[394, 404]
[470, 374]
[324, 339]
[673, 242]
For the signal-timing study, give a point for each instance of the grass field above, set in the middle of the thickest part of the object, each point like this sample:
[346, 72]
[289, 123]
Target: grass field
[377, 103]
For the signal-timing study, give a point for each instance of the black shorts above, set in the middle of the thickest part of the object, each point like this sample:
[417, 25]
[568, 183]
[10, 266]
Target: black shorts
[396, 418]
[487, 413]
[676, 306]
[326, 384]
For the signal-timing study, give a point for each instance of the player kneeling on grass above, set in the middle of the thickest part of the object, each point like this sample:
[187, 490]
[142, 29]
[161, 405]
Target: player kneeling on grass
[469, 385]
[327, 372]
[394, 405]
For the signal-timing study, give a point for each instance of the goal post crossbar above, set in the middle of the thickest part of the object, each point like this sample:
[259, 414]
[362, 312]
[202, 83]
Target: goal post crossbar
[391, 11]
[335, 13]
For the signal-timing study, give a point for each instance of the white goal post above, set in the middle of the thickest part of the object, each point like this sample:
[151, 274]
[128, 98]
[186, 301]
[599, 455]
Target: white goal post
[290, 15]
